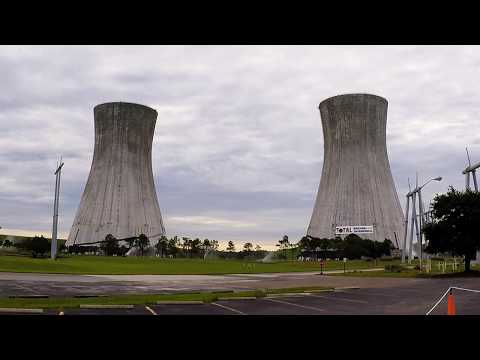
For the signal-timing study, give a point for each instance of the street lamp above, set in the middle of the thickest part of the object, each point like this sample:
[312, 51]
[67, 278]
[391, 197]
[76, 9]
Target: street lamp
[418, 227]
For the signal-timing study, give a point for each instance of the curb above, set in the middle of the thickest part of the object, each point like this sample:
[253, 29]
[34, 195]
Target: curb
[321, 290]
[287, 294]
[347, 288]
[19, 310]
[237, 298]
[179, 302]
[88, 306]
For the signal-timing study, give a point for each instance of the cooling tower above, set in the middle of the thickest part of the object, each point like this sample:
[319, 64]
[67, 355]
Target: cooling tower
[356, 187]
[119, 197]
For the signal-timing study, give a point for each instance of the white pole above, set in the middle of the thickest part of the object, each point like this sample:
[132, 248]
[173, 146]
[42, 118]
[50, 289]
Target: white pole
[404, 247]
[410, 250]
[53, 249]
[420, 205]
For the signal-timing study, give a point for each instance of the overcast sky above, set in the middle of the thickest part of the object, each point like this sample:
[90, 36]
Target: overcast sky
[238, 146]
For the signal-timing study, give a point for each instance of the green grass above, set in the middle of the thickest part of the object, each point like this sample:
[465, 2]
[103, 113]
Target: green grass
[413, 273]
[98, 265]
[70, 302]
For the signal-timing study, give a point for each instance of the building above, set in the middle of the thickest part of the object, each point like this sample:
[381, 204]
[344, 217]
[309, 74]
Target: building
[119, 197]
[356, 193]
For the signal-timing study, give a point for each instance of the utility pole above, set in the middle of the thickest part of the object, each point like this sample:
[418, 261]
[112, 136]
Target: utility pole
[58, 172]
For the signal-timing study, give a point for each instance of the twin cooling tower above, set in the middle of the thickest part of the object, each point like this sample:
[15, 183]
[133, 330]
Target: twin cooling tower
[119, 197]
[356, 187]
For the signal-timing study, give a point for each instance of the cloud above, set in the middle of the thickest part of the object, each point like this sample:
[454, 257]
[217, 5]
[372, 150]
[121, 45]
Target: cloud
[238, 137]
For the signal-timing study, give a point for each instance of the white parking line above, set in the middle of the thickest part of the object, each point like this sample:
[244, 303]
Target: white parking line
[149, 309]
[229, 308]
[339, 298]
[293, 304]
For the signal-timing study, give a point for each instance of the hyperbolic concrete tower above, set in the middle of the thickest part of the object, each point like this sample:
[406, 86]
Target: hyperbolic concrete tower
[119, 197]
[356, 187]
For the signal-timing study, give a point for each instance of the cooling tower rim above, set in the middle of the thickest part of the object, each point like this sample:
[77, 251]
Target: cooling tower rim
[352, 95]
[105, 104]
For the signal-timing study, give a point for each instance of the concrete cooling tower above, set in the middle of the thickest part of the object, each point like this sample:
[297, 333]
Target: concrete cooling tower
[119, 197]
[357, 193]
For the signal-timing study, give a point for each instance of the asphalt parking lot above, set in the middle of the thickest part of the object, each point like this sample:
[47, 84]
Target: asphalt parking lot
[372, 296]
[341, 302]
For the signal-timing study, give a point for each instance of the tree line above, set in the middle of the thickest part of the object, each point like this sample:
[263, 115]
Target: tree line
[352, 247]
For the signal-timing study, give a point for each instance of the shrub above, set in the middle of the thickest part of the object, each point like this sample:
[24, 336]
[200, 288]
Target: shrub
[386, 258]
[394, 268]
[260, 293]
[38, 246]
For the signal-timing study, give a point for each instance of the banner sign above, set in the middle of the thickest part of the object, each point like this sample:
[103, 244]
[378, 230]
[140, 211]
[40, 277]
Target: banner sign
[361, 229]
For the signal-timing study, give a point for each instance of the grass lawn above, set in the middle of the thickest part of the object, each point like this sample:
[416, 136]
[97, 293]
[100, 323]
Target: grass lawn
[71, 302]
[97, 265]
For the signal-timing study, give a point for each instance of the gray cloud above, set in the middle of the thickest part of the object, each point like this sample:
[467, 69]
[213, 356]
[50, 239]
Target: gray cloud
[238, 137]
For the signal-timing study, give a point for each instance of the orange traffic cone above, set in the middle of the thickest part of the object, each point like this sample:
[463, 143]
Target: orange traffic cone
[451, 304]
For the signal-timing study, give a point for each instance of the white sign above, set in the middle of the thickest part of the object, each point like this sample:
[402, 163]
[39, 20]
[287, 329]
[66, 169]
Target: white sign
[361, 229]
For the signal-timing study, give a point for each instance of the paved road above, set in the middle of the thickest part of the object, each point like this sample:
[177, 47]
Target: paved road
[17, 284]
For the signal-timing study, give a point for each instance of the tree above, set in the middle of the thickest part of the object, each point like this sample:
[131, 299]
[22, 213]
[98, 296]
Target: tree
[231, 246]
[258, 248]
[284, 244]
[131, 242]
[1, 242]
[38, 245]
[354, 247]
[214, 245]
[248, 247]
[109, 245]
[206, 245]
[195, 246]
[454, 226]
[172, 247]
[7, 243]
[186, 245]
[161, 246]
[142, 242]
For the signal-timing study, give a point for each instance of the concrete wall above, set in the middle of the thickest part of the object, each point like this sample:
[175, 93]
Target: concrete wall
[356, 186]
[119, 197]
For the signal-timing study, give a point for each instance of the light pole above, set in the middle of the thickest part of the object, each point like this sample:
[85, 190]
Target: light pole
[53, 249]
[414, 223]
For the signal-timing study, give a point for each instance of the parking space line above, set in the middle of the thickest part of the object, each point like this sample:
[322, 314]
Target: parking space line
[339, 298]
[374, 294]
[229, 308]
[149, 309]
[293, 304]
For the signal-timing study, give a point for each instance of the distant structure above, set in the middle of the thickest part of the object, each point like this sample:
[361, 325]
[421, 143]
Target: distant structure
[357, 193]
[119, 197]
